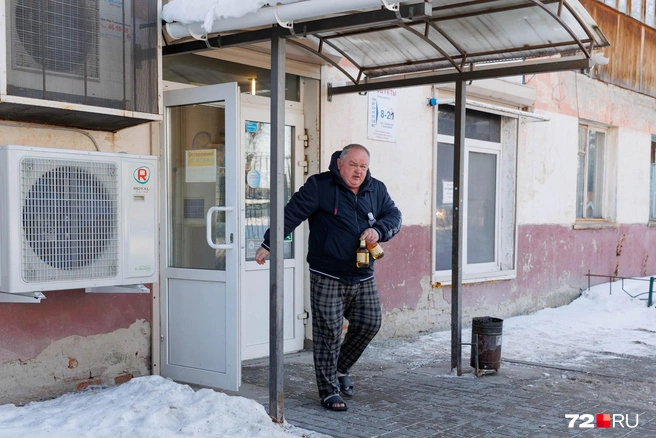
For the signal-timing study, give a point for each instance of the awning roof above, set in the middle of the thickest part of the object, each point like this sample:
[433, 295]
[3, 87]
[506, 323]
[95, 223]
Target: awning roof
[443, 37]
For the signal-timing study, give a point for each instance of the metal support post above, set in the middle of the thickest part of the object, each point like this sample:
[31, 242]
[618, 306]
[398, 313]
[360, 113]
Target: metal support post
[456, 243]
[276, 299]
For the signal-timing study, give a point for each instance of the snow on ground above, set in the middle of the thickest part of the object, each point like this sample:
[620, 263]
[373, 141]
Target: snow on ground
[604, 321]
[145, 407]
[595, 325]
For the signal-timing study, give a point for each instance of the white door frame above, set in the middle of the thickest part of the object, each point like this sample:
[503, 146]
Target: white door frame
[200, 307]
[255, 285]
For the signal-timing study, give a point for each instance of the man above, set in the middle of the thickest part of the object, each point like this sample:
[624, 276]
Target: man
[343, 206]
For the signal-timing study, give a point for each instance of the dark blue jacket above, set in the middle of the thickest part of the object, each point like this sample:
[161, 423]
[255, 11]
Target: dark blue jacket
[337, 217]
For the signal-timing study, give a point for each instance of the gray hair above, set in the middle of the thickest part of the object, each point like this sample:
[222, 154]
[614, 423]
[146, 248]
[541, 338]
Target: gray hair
[348, 148]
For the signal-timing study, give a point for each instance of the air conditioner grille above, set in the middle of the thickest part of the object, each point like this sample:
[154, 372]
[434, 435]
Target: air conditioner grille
[70, 218]
[57, 36]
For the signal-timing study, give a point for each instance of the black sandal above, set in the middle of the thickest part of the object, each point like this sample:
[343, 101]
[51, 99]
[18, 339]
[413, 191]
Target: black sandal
[333, 402]
[346, 385]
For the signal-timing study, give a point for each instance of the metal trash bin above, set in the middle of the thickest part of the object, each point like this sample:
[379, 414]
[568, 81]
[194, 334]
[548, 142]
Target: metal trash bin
[486, 343]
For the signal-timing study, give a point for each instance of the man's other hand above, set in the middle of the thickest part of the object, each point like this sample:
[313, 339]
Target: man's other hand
[261, 255]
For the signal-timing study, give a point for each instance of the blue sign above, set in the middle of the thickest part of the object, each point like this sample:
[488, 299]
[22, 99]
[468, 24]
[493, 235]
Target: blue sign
[251, 126]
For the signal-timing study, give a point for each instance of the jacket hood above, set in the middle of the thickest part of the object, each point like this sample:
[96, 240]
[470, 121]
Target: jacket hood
[335, 170]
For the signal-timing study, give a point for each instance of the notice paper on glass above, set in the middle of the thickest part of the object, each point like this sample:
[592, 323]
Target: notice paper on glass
[447, 192]
[200, 166]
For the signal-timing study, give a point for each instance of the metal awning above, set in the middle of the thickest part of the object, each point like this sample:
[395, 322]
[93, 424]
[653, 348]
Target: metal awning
[418, 42]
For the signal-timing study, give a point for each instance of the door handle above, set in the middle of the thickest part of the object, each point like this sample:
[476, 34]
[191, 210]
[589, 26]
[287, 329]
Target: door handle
[208, 228]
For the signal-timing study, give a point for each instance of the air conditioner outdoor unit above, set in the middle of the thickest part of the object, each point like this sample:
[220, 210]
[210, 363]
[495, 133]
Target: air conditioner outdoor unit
[76, 219]
[84, 63]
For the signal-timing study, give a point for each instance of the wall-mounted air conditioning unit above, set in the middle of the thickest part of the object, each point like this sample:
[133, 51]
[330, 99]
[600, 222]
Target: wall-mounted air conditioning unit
[76, 219]
[86, 63]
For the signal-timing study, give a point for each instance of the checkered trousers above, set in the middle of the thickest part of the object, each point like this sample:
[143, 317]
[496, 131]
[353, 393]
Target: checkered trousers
[331, 301]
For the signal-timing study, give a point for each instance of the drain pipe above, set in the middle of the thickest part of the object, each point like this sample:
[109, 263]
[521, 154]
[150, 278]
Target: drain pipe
[265, 16]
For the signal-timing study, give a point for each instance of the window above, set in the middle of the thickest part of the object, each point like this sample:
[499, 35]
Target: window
[203, 70]
[590, 173]
[635, 8]
[652, 193]
[485, 195]
[621, 5]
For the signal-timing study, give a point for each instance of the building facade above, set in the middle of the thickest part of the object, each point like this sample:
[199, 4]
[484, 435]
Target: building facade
[560, 183]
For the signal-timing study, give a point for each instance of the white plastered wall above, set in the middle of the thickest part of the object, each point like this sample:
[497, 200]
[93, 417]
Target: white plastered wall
[546, 171]
[134, 140]
[633, 175]
[405, 166]
[547, 166]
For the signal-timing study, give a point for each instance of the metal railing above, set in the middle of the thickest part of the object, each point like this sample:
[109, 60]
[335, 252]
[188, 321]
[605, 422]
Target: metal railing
[612, 278]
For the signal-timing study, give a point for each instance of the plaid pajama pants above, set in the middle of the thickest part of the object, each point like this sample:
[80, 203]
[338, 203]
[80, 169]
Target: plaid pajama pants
[332, 301]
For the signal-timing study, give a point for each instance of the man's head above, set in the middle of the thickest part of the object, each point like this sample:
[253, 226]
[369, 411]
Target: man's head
[353, 164]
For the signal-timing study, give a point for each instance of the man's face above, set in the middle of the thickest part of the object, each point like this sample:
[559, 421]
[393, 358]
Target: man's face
[353, 168]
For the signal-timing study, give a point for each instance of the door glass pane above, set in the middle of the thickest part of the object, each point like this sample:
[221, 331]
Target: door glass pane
[197, 181]
[444, 213]
[258, 176]
[481, 207]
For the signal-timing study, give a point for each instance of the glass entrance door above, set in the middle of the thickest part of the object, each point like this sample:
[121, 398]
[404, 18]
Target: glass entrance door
[200, 281]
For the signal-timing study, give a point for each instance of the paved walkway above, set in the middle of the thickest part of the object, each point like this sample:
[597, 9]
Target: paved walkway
[393, 399]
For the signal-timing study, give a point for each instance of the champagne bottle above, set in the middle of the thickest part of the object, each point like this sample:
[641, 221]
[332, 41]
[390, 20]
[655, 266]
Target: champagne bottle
[362, 260]
[376, 251]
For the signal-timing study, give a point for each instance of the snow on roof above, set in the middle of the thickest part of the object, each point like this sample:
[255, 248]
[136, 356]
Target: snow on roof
[206, 11]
